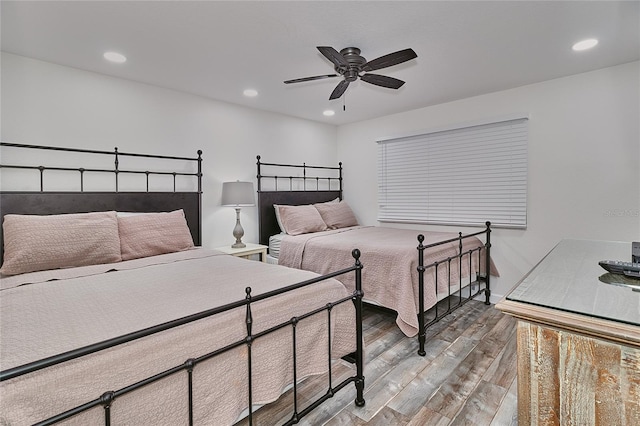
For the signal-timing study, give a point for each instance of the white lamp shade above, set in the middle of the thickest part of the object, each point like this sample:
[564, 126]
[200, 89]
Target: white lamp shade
[238, 194]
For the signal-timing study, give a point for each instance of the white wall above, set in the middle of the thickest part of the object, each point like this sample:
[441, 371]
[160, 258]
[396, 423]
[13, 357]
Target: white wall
[584, 161]
[584, 156]
[48, 104]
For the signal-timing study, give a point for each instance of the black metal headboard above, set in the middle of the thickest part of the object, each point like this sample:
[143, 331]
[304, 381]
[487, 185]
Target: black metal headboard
[44, 202]
[305, 189]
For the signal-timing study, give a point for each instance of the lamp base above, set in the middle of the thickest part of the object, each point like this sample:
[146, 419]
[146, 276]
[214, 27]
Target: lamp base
[238, 232]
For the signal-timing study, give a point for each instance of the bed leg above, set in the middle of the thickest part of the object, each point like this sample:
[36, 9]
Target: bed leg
[421, 341]
[359, 354]
[360, 393]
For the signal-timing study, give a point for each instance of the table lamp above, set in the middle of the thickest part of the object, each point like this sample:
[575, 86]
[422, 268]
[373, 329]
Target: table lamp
[238, 194]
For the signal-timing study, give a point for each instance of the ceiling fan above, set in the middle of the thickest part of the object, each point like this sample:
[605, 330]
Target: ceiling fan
[350, 65]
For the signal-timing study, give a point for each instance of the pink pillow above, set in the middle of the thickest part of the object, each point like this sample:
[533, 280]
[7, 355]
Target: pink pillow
[336, 215]
[282, 228]
[37, 243]
[151, 234]
[296, 220]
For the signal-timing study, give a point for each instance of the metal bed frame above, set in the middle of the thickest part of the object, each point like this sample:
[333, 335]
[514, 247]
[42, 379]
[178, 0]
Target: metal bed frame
[479, 279]
[309, 193]
[312, 193]
[41, 202]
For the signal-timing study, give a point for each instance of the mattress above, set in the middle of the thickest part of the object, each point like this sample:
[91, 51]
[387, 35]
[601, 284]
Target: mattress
[390, 260]
[274, 251]
[274, 245]
[50, 312]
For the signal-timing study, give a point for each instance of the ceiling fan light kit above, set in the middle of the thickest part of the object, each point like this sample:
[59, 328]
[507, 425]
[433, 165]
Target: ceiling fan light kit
[350, 65]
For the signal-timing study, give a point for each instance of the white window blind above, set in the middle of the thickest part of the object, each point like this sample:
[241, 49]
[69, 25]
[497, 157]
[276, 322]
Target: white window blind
[464, 176]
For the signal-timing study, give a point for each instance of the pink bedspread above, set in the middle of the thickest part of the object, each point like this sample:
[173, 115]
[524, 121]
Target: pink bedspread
[390, 260]
[49, 317]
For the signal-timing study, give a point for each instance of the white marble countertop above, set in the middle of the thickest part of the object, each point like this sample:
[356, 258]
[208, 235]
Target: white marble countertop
[570, 279]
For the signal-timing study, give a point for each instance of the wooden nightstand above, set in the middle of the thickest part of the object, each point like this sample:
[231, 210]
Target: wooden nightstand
[246, 251]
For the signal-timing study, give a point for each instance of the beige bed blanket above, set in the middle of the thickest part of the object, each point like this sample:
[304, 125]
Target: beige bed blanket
[390, 260]
[49, 317]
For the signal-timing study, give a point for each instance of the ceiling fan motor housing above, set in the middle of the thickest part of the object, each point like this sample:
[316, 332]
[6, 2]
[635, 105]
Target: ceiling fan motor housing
[353, 70]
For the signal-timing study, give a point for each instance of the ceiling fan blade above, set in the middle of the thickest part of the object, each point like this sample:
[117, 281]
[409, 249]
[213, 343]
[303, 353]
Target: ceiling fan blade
[317, 77]
[382, 80]
[333, 55]
[389, 60]
[339, 90]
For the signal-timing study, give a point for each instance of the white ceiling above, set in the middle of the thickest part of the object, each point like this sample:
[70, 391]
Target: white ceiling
[217, 49]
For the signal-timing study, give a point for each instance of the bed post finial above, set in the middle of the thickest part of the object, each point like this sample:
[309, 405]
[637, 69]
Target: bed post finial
[340, 178]
[116, 163]
[106, 399]
[249, 318]
[41, 168]
[258, 176]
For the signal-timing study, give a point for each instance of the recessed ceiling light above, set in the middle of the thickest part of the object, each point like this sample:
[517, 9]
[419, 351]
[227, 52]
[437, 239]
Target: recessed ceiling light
[329, 112]
[585, 44]
[250, 93]
[115, 57]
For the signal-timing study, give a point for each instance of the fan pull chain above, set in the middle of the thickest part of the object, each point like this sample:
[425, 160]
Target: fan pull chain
[344, 107]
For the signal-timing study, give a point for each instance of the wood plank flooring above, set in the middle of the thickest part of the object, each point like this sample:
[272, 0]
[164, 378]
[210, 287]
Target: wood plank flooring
[468, 376]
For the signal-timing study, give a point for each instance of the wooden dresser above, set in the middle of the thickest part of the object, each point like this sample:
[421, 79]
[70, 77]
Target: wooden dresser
[578, 338]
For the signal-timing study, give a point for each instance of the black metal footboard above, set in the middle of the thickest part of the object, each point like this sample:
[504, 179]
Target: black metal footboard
[108, 400]
[481, 281]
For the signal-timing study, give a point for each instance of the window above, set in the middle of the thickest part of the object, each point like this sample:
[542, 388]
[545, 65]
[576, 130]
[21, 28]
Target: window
[462, 176]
